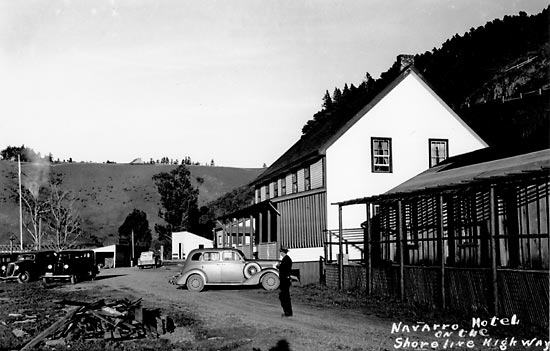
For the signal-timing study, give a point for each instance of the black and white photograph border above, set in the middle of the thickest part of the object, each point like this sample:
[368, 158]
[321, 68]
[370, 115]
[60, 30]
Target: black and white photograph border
[274, 175]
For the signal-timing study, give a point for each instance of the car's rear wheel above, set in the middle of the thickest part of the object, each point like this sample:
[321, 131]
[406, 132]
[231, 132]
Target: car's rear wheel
[24, 277]
[195, 283]
[250, 269]
[270, 281]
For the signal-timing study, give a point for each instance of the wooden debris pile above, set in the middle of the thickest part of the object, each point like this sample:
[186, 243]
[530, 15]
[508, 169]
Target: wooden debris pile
[118, 319]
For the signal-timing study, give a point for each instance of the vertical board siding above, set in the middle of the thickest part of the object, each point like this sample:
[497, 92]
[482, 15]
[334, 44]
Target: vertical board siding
[302, 221]
[316, 174]
[309, 272]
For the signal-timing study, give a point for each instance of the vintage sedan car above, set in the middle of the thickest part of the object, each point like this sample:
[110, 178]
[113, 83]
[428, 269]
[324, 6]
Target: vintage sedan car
[225, 266]
[5, 259]
[29, 266]
[72, 265]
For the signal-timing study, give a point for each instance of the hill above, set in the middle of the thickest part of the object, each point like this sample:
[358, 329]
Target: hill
[107, 193]
[496, 77]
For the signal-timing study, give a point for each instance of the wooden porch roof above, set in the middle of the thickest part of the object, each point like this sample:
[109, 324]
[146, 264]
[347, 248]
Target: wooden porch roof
[482, 166]
[252, 210]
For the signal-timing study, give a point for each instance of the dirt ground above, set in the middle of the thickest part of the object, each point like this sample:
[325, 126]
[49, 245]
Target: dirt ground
[223, 318]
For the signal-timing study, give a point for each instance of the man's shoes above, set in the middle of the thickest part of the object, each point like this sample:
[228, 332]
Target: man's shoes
[286, 315]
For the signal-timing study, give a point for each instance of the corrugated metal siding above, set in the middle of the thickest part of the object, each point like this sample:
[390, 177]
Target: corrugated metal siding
[301, 180]
[289, 184]
[316, 174]
[302, 221]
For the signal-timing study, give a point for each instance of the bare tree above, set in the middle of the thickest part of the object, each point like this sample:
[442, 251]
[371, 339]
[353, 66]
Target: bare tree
[63, 219]
[35, 212]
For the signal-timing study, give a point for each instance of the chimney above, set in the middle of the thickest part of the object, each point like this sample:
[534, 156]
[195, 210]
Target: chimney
[404, 61]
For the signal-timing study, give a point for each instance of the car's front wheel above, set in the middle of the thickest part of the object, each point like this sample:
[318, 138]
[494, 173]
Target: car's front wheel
[195, 283]
[270, 281]
[24, 277]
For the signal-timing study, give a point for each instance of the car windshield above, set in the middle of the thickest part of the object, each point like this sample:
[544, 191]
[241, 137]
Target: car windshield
[68, 255]
[26, 257]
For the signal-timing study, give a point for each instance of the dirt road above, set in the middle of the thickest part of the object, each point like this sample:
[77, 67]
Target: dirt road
[246, 319]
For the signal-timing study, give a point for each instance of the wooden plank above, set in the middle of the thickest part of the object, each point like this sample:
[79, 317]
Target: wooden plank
[441, 252]
[401, 242]
[51, 329]
[340, 254]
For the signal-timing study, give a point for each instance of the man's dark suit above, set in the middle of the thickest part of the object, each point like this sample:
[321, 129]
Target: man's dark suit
[284, 276]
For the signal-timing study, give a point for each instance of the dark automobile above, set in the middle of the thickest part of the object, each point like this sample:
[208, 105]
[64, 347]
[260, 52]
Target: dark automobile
[5, 259]
[72, 265]
[29, 266]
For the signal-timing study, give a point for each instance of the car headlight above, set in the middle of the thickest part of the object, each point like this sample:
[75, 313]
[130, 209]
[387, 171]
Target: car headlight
[16, 267]
[3, 268]
[65, 266]
[50, 266]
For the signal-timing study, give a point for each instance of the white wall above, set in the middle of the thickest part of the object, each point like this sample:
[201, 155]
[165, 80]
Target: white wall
[189, 241]
[410, 115]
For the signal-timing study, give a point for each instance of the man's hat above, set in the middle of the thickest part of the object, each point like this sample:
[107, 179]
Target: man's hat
[284, 249]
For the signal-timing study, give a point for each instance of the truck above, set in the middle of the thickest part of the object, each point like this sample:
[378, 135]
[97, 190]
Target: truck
[149, 259]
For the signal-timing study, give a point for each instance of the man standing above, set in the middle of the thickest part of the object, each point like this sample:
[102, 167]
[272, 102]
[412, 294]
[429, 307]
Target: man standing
[284, 276]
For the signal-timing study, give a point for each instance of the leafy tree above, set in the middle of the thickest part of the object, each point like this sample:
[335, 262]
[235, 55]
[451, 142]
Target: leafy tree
[178, 198]
[137, 223]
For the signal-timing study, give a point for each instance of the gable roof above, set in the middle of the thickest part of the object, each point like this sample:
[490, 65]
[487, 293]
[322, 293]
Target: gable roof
[490, 165]
[314, 144]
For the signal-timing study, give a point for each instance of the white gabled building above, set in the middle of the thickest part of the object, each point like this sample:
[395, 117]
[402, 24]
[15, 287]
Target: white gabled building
[402, 131]
[184, 242]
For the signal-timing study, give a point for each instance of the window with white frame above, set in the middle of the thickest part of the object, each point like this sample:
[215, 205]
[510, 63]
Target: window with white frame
[276, 188]
[283, 186]
[267, 191]
[439, 150]
[381, 155]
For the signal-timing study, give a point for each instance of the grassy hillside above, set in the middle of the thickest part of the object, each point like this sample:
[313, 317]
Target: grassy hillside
[107, 193]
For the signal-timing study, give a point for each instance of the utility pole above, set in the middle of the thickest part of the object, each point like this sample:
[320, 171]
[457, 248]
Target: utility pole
[20, 205]
[132, 262]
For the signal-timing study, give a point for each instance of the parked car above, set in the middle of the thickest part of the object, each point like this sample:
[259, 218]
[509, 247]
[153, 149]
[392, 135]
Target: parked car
[225, 266]
[5, 259]
[29, 266]
[148, 259]
[72, 265]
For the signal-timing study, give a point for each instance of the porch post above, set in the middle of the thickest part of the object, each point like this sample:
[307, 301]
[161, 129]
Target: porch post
[441, 250]
[494, 243]
[260, 231]
[368, 250]
[401, 240]
[224, 233]
[340, 254]
[231, 232]
[251, 237]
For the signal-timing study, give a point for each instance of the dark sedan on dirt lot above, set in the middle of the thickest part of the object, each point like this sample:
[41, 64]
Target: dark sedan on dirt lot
[72, 265]
[224, 266]
[5, 259]
[29, 266]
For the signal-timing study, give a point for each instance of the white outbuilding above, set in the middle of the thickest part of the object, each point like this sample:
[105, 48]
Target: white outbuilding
[184, 242]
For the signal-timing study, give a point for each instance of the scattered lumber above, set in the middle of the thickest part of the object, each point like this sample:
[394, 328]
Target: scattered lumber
[118, 319]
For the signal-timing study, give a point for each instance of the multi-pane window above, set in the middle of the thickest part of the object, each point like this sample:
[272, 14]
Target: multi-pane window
[439, 151]
[381, 155]
[275, 188]
[307, 179]
[283, 186]
[267, 191]
[294, 182]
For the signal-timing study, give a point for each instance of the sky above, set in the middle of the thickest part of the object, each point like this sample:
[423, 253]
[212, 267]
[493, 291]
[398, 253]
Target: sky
[232, 81]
